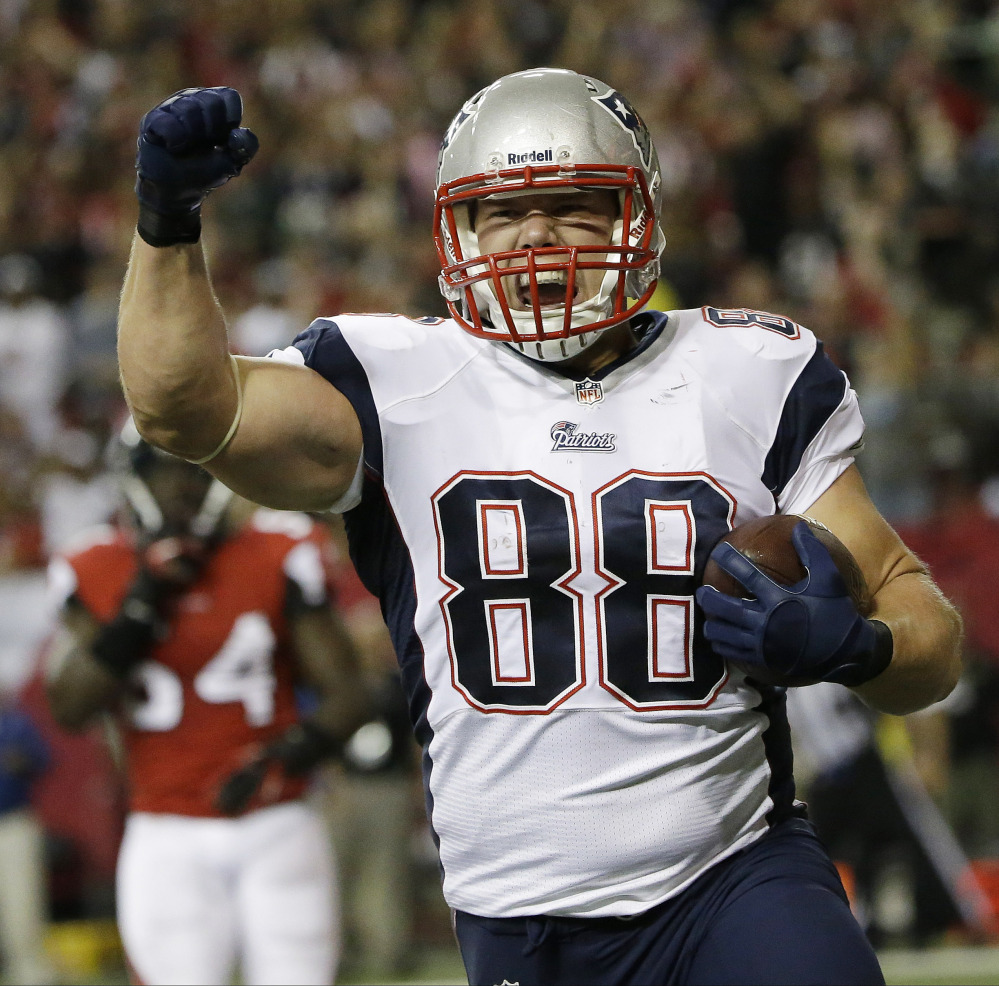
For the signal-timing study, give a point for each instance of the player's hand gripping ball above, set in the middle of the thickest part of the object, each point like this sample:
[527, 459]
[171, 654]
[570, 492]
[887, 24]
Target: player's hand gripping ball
[188, 145]
[786, 602]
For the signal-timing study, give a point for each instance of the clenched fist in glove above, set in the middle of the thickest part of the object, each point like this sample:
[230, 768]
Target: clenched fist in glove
[798, 634]
[188, 145]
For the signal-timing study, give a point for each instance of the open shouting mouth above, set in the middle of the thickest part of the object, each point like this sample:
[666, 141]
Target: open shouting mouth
[551, 289]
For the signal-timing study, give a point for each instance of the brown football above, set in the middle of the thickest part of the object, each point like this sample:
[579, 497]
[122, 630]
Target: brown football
[766, 542]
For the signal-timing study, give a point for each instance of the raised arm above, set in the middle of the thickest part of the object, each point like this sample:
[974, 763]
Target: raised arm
[277, 434]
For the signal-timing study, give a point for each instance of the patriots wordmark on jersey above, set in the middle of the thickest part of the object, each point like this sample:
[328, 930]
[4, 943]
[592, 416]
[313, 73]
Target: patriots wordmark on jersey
[536, 540]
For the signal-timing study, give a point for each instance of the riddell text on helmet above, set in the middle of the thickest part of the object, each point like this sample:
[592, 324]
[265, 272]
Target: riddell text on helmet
[531, 157]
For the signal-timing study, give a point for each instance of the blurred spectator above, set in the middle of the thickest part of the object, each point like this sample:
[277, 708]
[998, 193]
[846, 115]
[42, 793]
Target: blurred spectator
[74, 489]
[33, 349]
[24, 756]
[912, 883]
[93, 317]
[269, 323]
[19, 533]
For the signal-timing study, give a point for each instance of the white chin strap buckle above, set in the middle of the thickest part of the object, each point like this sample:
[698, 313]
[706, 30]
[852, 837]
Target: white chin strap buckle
[450, 291]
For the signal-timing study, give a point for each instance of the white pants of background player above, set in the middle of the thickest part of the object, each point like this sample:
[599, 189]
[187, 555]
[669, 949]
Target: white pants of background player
[198, 895]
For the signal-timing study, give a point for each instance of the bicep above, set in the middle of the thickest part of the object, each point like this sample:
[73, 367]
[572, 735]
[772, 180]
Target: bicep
[298, 442]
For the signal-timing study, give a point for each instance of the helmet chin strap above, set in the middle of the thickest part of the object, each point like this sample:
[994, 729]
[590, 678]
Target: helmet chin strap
[206, 523]
[142, 501]
[555, 350]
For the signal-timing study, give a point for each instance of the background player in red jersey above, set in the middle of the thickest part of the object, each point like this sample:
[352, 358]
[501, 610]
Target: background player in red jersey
[195, 623]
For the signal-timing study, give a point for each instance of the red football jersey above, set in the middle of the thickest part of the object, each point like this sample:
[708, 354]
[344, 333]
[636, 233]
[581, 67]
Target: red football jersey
[220, 684]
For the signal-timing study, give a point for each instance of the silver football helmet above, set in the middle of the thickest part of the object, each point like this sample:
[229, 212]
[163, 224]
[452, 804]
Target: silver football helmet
[547, 130]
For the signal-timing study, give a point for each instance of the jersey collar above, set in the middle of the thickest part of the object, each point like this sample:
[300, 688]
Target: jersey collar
[648, 326]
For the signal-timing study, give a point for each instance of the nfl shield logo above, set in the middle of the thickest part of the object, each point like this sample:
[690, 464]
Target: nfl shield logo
[589, 391]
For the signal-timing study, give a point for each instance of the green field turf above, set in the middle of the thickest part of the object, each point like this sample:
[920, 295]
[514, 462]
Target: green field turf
[440, 966]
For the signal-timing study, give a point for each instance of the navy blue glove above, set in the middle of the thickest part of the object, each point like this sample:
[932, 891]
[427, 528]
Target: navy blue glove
[794, 635]
[188, 145]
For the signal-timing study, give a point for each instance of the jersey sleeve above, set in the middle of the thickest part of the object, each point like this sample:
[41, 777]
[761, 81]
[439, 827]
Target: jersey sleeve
[303, 567]
[61, 582]
[96, 576]
[773, 380]
[322, 348]
[819, 432]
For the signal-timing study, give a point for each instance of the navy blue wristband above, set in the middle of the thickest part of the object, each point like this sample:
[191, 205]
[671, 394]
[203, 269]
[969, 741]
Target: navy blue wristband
[161, 230]
[879, 658]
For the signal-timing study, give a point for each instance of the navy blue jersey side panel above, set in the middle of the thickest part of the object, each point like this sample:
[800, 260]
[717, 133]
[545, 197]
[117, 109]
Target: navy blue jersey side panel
[384, 565]
[816, 394]
[377, 549]
[328, 353]
[777, 748]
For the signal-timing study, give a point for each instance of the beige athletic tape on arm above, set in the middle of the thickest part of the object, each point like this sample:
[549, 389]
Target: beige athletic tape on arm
[235, 421]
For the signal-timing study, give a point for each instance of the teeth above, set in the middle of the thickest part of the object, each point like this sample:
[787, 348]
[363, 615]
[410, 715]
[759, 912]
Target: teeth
[544, 277]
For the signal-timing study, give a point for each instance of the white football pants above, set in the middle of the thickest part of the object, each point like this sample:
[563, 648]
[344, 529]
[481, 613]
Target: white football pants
[196, 896]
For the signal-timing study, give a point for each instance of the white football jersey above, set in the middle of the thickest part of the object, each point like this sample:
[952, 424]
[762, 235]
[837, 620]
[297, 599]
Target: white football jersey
[536, 540]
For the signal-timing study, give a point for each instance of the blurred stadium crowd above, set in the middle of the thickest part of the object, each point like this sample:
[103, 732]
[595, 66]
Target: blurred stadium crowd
[836, 161]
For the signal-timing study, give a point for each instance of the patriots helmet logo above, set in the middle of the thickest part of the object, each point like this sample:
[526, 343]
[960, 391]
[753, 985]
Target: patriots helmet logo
[628, 117]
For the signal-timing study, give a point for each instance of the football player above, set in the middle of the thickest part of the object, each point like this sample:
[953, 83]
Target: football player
[533, 487]
[194, 621]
